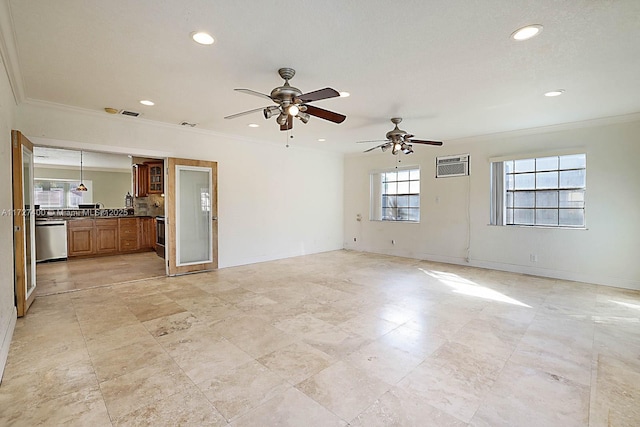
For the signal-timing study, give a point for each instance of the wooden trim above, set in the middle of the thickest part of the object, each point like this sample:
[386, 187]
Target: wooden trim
[22, 302]
[170, 200]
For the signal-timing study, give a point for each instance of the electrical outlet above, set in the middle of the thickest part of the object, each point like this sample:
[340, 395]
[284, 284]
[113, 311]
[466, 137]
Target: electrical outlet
[533, 257]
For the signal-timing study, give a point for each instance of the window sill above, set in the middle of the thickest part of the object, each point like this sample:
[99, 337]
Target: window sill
[545, 227]
[394, 222]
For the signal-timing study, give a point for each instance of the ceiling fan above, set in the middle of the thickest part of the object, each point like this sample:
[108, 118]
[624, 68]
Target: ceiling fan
[291, 102]
[399, 140]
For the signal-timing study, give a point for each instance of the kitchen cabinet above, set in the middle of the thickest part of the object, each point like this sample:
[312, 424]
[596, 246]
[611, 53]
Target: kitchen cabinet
[80, 237]
[128, 234]
[148, 178]
[156, 177]
[110, 236]
[147, 232]
[106, 236]
[140, 180]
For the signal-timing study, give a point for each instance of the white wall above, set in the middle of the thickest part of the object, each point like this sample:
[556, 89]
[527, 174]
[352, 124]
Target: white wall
[7, 306]
[455, 211]
[273, 202]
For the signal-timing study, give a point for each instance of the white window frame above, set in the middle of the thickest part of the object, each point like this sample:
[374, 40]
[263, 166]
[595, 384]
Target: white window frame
[498, 214]
[377, 194]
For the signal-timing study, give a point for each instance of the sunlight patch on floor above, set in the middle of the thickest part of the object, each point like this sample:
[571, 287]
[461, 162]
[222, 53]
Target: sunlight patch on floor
[464, 286]
[626, 304]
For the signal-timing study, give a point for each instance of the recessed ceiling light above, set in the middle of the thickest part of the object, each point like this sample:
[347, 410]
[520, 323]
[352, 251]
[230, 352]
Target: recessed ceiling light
[202, 37]
[147, 102]
[111, 110]
[527, 32]
[555, 92]
[344, 94]
[254, 125]
[321, 140]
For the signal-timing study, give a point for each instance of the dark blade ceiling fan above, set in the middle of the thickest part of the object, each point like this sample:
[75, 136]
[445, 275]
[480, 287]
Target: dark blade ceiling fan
[398, 140]
[291, 102]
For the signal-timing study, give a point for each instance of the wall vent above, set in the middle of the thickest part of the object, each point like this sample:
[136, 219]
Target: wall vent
[452, 166]
[129, 113]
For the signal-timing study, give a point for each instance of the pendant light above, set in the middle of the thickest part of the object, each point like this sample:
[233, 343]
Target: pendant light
[81, 187]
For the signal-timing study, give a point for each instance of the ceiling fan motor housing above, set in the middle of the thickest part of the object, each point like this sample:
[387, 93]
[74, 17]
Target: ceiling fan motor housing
[285, 95]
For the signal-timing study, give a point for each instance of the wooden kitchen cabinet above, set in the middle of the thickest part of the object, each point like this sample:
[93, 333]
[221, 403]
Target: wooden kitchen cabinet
[106, 236]
[109, 236]
[148, 178]
[128, 234]
[156, 177]
[80, 237]
[140, 180]
[147, 233]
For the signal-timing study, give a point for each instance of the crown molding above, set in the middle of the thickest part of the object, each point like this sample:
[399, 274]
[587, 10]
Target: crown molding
[141, 121]
[601, 121]
[597, 122]
[9, 52]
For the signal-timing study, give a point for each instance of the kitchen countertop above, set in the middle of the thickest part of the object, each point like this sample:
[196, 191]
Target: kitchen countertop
[73, 218]
[72, 214]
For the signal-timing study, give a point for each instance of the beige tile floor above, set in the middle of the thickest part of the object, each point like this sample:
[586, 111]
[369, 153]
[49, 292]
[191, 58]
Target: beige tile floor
[339, 338]
[82, 273]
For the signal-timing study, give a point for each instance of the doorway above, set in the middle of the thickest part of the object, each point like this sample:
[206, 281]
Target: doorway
[82, 273]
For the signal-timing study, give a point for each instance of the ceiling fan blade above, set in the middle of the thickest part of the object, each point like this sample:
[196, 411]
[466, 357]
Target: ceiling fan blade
[319, 94]
[325, 114]
[374, 140]
[233, 116]
[420, 141]
[289, 124]
[254, 93]
[373, 148]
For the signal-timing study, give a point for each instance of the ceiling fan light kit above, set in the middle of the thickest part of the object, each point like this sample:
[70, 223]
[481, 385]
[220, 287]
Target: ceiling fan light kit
[291, 102]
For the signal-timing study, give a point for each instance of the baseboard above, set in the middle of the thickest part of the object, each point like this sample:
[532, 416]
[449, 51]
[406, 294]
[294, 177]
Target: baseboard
[616, 282]
[6, 335]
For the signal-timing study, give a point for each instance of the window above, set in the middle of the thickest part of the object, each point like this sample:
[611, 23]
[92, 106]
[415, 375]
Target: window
[395, 195]
[543, 191]
[62, 194]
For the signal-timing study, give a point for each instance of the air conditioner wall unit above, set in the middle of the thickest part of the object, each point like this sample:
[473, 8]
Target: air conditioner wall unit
[452, 166]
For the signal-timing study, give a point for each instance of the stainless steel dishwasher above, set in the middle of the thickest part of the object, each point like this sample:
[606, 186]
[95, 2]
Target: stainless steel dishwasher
[51, 240]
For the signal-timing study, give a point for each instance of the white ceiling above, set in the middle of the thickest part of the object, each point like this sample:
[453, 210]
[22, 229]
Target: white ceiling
[448, 67]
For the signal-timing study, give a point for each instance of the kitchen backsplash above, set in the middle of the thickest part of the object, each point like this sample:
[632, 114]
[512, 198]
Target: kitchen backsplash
[152, 205]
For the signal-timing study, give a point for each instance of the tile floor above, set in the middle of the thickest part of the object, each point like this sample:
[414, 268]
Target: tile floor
[82, 273]
[339, 338]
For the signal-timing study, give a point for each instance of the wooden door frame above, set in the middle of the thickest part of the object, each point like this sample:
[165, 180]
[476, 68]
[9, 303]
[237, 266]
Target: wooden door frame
[18, 140]
[170, 201]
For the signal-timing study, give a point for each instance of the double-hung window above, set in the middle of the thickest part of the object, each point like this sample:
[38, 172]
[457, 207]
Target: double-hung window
[395, 195]
[543, 191]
